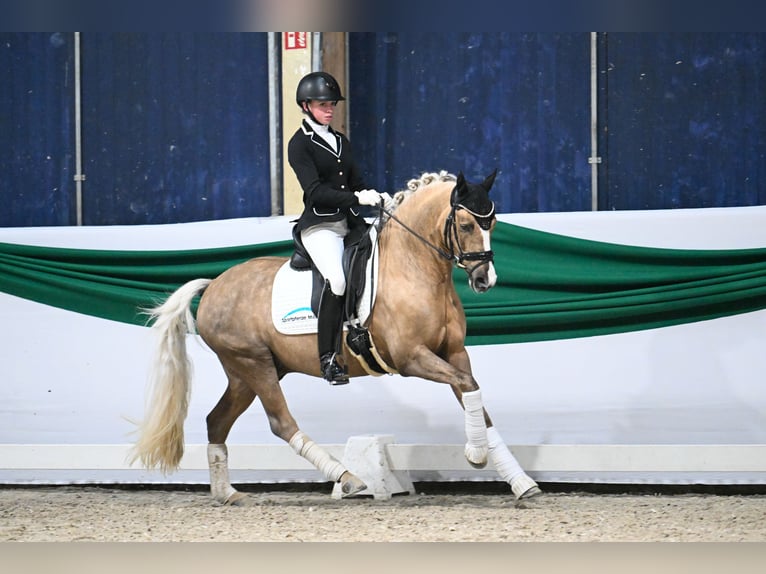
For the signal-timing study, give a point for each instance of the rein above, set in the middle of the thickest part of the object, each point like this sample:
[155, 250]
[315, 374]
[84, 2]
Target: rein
[483, 257]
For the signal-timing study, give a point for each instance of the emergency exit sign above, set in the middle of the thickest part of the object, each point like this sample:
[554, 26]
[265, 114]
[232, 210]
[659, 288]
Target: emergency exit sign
[295, 40]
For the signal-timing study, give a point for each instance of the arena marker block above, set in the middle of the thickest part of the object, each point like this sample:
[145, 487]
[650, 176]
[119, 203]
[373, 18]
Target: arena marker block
[366, 457]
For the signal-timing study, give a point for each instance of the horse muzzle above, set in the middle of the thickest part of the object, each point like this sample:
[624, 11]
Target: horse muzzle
[482, 277]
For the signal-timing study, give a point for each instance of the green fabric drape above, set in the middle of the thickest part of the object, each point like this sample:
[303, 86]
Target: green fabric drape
[556, 287]
[549, 286]
[116, 285]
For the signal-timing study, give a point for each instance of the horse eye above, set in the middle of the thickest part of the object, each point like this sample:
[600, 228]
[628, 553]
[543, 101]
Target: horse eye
[466, 227]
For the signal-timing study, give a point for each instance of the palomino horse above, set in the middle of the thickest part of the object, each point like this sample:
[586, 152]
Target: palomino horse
[417, 324]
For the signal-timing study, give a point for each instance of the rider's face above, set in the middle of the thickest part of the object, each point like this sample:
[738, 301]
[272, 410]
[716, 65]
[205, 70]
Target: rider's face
[322, 111]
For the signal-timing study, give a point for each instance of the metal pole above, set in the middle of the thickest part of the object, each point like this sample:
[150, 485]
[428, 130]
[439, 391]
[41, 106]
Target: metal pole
[346, 65]
[316, 51]
[79, 177]
[275, 113]
[594, 159]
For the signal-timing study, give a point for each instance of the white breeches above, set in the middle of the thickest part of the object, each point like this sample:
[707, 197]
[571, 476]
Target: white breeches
[324, 242]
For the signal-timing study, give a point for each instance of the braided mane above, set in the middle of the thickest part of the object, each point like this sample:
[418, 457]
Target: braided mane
[413, 185]
[427, 178]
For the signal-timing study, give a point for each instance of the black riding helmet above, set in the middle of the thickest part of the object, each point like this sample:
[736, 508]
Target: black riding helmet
[319, 86]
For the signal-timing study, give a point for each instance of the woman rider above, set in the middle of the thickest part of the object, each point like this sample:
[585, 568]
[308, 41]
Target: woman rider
[333, 190]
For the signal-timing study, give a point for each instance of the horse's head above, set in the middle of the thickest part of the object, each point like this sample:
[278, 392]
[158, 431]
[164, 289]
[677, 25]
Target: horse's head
[468, 228]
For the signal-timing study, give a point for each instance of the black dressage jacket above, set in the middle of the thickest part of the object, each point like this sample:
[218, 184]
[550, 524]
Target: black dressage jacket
[328, 179]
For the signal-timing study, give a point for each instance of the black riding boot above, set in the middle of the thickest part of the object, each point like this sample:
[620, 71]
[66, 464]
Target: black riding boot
[329, 327]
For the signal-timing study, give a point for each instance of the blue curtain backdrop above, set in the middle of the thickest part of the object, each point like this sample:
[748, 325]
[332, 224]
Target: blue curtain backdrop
[175, 127]
[683, 120]
[475, 102]
[36, 129]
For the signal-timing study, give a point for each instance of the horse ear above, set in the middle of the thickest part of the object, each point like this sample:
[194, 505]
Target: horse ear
[461, 189]
[489, 181]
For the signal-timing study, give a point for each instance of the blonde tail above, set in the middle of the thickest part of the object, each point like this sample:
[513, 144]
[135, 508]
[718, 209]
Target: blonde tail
[161, 434]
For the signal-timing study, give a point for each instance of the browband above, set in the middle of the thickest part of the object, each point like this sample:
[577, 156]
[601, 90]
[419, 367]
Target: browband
[485, 221]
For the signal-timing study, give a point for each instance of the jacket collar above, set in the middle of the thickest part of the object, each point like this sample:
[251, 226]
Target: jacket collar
[318, 140]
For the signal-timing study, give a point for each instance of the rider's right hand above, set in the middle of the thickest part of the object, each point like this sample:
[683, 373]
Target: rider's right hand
[368, 197]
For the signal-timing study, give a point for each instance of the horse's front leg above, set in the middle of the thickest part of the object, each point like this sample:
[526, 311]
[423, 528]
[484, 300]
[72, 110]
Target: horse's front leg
[505, 463]
[423, 363]
[508, 468]
[483, 442]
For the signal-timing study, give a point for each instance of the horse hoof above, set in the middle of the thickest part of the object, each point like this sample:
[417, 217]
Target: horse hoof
[524, 487]
[476, 456]
[351, 486]
[236, 499]
[531, 493]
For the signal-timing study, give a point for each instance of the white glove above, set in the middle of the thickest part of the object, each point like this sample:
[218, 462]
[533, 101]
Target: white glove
[388, 201]
[368, 197]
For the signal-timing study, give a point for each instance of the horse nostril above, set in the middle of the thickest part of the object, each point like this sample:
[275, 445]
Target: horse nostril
[480, 284]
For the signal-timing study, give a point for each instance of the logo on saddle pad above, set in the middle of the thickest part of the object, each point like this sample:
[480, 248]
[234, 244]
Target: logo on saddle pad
[299, 314]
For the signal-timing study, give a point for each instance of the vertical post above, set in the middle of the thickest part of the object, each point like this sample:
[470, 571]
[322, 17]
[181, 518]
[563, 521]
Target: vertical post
[594, 159]
[334, 62]
[296, 63]
[79, 177]
[275, 135]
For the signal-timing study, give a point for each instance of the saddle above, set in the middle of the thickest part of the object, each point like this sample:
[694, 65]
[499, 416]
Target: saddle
[355, 258]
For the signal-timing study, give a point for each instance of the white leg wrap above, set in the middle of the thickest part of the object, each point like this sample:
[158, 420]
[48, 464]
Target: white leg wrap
[475, 427]
[218, 461]
[317, 456]
[505, 463]
[507, 466]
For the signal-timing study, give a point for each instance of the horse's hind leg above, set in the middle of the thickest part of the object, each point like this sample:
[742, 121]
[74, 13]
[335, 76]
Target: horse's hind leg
[284, 426]
[235, 400]
[247, 379]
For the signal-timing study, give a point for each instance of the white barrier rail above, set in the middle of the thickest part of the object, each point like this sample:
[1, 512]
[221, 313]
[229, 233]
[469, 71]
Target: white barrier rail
[540, 461]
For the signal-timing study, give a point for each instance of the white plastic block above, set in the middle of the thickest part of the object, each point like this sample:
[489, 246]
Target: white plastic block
[366, 457]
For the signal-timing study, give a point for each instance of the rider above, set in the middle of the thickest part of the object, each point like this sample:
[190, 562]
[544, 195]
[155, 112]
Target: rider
[333, 190]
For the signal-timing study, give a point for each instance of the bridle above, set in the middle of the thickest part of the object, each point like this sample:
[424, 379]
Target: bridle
[450, 231]
[459, 258]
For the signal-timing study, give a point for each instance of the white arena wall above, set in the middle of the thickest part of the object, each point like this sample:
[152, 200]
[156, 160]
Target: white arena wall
[683, 404]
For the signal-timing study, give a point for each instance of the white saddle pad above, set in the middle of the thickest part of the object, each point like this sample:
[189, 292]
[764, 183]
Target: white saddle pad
[291, 297]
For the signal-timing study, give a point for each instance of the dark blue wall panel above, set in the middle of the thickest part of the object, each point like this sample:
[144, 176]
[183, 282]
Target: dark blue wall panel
[476, 102]
[36, 129]
[175, 127]
[684, 120]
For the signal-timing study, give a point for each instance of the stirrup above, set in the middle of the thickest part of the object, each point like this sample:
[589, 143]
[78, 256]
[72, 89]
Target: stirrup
[332, 371]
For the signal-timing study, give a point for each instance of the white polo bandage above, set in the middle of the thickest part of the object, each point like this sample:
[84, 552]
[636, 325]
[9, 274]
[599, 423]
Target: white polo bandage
[316, 455]
[475, 427]
[218, 462]
[507, 466]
